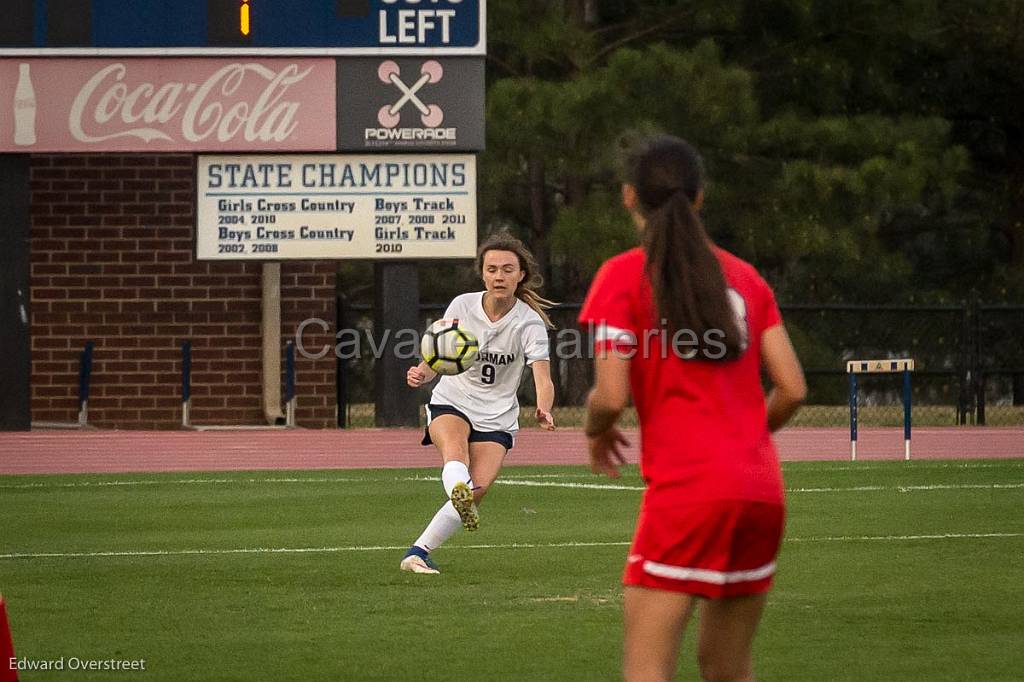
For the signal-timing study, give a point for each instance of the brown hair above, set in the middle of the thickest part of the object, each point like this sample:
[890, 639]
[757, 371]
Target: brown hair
[528, 290]
[689, 287]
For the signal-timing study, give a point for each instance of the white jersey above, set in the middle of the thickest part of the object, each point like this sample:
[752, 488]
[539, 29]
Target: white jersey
[486, 392]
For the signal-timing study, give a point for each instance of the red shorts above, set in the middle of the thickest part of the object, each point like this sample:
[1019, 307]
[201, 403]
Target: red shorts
[713, 550]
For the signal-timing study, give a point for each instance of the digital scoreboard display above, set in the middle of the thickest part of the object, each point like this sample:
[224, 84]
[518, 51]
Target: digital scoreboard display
[198, 27]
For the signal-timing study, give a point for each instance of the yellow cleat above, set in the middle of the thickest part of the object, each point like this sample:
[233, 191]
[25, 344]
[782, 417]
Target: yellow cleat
[462, 500]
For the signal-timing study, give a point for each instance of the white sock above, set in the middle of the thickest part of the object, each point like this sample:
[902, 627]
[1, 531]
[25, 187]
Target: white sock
[446, 523]
[452, 473]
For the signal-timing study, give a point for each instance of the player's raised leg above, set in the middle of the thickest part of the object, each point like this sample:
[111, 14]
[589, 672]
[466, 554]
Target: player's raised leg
[451, 436]
[655, 621]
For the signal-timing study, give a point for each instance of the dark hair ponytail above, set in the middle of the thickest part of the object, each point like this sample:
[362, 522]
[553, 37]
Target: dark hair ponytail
[689, 287]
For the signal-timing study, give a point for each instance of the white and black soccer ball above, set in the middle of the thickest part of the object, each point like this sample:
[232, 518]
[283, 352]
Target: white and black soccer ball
[447, 348]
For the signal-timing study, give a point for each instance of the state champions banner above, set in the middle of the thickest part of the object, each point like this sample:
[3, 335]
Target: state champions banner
[274, 207]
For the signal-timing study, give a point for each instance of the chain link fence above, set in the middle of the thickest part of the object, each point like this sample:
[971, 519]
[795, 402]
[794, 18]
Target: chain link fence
[936, 337]
[997, 365]
[969, 364]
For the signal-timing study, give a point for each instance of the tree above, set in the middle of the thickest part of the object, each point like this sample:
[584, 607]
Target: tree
[820, 196]
[541, 54]
[958, 61]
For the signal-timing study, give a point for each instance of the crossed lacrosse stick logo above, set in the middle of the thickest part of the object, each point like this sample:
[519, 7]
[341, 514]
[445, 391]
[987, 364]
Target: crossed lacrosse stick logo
[390, 115]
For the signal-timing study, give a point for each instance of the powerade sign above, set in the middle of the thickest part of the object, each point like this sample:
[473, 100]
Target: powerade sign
[214, 27]
[411, 104]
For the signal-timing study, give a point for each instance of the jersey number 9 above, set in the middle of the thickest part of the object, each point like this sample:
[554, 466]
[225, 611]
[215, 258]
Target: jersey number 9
[487, 374]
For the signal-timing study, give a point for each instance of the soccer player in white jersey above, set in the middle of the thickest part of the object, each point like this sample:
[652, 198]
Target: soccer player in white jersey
[473, 417]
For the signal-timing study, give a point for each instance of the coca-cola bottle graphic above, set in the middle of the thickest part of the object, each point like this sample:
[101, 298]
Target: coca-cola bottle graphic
[24, 108]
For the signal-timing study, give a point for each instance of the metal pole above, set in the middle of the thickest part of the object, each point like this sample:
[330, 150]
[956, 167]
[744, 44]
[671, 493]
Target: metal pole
[979, 373]
[341, 374]
[186, 384]
[84, 378]
[906, 414]
[964, 399]
[289, 385]
[853, 417]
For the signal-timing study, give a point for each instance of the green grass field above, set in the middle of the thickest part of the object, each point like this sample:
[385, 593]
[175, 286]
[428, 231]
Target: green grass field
[890, 571]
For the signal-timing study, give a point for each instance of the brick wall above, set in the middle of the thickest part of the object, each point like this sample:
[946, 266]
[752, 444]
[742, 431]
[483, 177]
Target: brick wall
[113, 261]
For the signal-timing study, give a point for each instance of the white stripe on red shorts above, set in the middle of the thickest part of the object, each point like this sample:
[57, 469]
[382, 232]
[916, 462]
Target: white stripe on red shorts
[703, 575]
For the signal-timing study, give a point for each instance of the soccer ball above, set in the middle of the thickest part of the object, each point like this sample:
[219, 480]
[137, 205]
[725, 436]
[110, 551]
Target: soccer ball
[447, 348]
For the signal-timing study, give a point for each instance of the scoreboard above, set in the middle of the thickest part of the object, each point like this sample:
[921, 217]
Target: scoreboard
[265, 27]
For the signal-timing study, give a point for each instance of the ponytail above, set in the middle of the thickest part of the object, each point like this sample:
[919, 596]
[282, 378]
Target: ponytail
[690, 291]
[538, 303]
[528, 290]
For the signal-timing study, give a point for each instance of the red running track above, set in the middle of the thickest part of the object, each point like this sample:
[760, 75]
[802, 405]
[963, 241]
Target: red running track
[64, 452]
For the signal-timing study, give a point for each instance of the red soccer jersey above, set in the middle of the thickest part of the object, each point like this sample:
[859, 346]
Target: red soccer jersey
[704, 429]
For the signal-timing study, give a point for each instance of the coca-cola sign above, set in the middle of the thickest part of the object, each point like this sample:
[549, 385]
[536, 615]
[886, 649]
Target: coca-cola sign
[63, 105]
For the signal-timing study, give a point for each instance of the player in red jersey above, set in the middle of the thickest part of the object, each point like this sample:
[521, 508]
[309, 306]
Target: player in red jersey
[687, 327]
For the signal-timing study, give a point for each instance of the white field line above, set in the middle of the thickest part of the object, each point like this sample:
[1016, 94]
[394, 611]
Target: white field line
[897, 538]
[507, 481]
[228, 481]
[856, 489]
[178, 481]
[911, 488]
[917, 465]
[553, 484]
[914, 466]
[289, 550]
[514, 545]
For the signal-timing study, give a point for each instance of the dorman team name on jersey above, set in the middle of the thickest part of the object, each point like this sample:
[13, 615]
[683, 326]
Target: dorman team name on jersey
[497, 358]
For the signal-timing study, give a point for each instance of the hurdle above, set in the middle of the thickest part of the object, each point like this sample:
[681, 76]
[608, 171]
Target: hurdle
[856, 367]
[84, 381]
[186, 394]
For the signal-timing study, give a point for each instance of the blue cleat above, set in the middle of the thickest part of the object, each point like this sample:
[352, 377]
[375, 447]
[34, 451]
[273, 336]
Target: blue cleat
[417, 560]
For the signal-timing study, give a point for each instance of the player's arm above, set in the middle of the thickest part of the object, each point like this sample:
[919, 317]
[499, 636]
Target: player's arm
[608, 311]
[789, 389]
[605, 403]
[419, 375]
[610, 394]
[545, 393]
